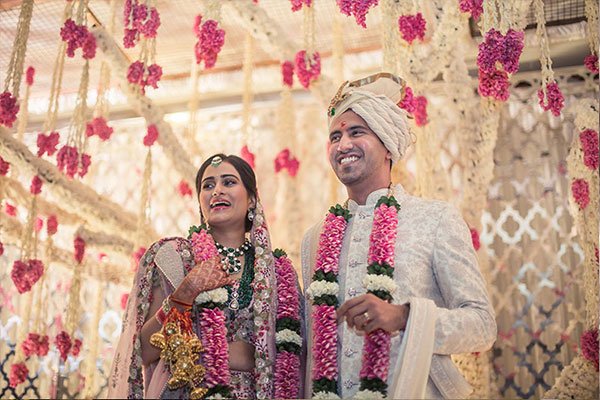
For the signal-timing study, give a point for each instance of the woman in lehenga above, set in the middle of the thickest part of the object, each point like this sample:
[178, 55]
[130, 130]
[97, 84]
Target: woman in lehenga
[217, 314]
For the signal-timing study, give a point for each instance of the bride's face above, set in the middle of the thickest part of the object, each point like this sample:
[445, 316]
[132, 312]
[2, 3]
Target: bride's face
[224, 200]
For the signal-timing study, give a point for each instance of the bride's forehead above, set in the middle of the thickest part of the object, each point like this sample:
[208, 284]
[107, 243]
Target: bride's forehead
[224, 168]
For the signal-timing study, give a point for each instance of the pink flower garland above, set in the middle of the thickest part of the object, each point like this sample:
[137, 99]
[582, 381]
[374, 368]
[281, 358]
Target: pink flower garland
[358, 8]
[9, 107]
[552, 99]
[287, 363]
[412, 27]
[581, 192]
[47, 143]
[376, 349]
[308, 69]
[475, 7]
[139, 19]
[589, 145]
[100, 128]
[10, 210]
[591, 63]
[210, 41]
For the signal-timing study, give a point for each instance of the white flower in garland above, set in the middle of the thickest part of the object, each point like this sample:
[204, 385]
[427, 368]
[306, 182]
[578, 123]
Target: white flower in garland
[379, 282]
[287, 335]
[218, 295]
[325, 395]
[368, 394]
[320, 288]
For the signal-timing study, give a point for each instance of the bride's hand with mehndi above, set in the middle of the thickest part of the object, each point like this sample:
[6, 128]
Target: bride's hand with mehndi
[206, 275]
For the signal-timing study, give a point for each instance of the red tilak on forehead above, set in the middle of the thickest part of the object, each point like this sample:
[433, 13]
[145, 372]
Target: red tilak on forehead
[343, 124]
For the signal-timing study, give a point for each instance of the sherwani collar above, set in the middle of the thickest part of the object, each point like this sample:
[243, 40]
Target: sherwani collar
[373, 197]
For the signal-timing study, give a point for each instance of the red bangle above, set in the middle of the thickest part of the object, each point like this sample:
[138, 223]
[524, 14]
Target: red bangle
[161, 317]
[181, 303]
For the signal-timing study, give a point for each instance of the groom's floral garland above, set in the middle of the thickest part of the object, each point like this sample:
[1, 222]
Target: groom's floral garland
[287, 337]
[324, 291]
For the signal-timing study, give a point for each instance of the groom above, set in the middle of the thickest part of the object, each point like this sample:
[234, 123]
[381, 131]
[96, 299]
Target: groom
[412, 291]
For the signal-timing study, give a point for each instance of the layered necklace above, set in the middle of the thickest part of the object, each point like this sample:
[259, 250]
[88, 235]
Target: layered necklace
[229, 256]
[324, 294]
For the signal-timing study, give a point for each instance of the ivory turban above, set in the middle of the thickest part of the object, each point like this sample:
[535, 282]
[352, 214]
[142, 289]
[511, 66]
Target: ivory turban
[375, 100]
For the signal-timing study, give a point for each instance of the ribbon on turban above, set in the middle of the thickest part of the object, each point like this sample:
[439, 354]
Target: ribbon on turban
[375, 99]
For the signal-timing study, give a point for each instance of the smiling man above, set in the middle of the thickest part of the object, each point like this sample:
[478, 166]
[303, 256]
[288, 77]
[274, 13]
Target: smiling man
[392, 281]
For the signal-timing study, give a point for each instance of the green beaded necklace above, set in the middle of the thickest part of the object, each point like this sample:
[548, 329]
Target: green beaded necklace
[241, 297]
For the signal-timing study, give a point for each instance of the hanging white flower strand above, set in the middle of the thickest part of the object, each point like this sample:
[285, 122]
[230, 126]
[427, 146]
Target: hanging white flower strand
[308, 61]
[9, 106]
[550, 97]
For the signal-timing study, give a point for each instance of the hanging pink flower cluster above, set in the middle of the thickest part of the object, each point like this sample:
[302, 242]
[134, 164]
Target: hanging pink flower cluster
[151, 135]
[35, 344]
[591, 63]
[51, 225]
[589, 145]
[184, 189]
[1, 248]
[247, 156]
[66, 345]
[298, 4]
[358, 8]
[308, 69]
[475, 7]
[124, 298]
[4, 166]
[589, 346]
[38, 225]
[283, 160]
[78, 36]
[9, 107]
[420, 112]
[137, 255]
[18, 374]
[287, 72]
[412, 27]
[79, 246]
[36, 185]
[10, 210]
[140, 74]
[26, 273]
[498, 56]
[475, 239]
[47, 143]
[581, 192]
[408, 101]
[210, 41]
[139, 19]
[552, 100]
[69, 162]
[99, 127]
[29, 74]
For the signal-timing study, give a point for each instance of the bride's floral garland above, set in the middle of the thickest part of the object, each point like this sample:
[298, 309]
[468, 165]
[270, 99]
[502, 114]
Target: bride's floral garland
[324, 291]
[287, 337]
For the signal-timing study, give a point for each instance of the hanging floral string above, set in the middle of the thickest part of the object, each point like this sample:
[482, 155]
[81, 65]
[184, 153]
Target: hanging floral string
[550, 97]
[141, 23]
[9, 106]
[65, 341]
[412, 27]
[473, 7]
[591, 13]
[24, 106]
[247, 93]
[90, 370]
[25, 273]
[308, 61]
[579, 379]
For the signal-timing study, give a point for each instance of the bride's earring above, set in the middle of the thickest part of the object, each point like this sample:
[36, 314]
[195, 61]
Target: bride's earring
[251, 214]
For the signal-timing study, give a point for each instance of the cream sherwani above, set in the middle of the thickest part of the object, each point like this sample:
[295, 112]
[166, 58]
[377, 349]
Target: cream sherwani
[435, 265]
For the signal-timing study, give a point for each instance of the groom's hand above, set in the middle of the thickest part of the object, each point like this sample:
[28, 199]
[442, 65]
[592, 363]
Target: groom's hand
[368, 313]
